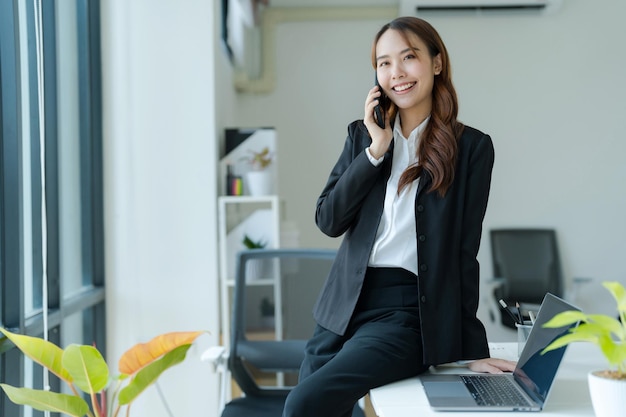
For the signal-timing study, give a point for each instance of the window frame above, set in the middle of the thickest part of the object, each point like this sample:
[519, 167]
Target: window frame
[90, 301]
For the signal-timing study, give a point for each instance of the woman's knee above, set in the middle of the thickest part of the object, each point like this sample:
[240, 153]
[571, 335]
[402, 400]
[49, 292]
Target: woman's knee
[311, 400]
[300, 404]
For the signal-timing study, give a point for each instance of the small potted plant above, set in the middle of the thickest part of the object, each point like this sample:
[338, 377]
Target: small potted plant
[251, 244]
[259, 179]
[255, 268]
[260, 160]
[267, 313]
[608, 386]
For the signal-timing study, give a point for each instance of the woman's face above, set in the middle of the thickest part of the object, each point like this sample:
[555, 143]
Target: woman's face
[406, 73]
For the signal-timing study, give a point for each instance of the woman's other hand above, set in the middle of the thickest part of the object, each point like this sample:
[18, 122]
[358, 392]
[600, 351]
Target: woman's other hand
[492, 365]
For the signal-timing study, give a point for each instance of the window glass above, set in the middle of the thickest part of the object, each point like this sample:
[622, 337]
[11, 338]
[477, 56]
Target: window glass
[69, 149]
[72, 329]
[71, 332]
[31, 183]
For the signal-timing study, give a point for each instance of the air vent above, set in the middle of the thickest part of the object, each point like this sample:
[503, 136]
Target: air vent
[421, 7]
[479, 8]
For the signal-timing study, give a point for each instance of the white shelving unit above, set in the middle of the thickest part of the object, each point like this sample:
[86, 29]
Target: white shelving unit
[259, 218]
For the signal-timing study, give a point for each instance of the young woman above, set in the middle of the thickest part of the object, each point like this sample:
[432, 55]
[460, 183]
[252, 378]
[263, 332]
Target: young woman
[409, 200]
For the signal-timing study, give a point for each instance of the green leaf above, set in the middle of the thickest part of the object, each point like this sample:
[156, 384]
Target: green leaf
[41, 351]
[47, 401]
[615, 353]
[569, 338]
[565, 318]
[87, 367]
[590, 329]
[618, 292]
[251, 244]
[608, 324]
[151, 373]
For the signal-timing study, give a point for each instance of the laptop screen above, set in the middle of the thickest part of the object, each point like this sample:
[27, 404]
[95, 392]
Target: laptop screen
[535, 371]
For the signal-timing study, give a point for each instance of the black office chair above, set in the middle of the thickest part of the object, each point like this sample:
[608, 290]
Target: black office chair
[526, 265]
[266, 370]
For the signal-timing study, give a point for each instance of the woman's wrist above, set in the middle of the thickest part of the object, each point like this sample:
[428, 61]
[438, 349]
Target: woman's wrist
[373, 158]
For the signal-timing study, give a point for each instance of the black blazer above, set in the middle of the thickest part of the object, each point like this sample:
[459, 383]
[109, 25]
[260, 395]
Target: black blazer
[448, 238]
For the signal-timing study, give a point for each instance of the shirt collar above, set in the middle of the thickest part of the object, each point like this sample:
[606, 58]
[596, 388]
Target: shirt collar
[415, 133]
[411, 141]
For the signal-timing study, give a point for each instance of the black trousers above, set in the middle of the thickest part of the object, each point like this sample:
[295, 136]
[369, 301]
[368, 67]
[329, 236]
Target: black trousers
[383, 344]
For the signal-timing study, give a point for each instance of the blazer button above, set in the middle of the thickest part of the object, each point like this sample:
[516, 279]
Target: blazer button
[420, 208]
[423, 298]
[423, 267]
[422, 238]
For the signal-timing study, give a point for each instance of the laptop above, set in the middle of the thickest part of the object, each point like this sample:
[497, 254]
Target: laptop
[526, 389]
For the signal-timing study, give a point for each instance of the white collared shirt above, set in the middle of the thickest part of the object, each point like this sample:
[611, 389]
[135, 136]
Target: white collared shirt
[396, 242]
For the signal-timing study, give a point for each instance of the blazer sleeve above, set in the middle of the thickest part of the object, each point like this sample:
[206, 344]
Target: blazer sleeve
[479, 171]
[349, 182]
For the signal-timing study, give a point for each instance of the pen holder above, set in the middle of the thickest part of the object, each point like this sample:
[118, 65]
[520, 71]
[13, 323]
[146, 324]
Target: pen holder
[523, 330]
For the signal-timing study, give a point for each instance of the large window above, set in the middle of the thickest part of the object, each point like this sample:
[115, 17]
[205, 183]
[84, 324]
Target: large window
[51, 225]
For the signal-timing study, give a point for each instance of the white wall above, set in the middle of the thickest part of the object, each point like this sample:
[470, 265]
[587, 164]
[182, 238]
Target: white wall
[549, 89]
[160, 188]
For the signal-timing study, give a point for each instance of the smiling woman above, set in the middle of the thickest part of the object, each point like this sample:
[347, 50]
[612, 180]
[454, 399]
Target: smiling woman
[408, 246]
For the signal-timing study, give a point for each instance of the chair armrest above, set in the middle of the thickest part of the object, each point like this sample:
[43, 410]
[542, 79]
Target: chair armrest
[571, 294]
[216, 356]
[489, 296]
[496, 282]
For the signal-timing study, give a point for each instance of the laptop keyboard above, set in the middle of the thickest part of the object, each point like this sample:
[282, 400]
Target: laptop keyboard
[494, 390]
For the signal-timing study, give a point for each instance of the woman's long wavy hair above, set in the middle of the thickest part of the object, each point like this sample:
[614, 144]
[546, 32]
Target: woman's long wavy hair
[437, 148]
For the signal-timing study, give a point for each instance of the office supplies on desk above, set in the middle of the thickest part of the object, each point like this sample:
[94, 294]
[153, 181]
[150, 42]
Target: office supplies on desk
[526, 389]
[514, 312]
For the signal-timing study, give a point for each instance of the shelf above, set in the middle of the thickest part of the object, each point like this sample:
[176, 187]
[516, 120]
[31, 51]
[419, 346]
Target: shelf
[243, 199]
[255, 216]
[258, 282]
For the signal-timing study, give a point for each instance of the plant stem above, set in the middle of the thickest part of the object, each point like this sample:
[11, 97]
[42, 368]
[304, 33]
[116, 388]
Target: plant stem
[96, 405]
[118, 386]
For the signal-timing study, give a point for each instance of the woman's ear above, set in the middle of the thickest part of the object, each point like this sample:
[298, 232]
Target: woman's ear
[437, 65]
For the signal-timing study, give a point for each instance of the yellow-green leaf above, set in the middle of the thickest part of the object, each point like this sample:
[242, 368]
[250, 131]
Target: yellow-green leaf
[565, 318]
[87, 367]
[142, 354]
[619, 293]
[569, 338]
[41, 351]
[609, 324]
[614, 353]
[47, 401]
[150, 373]
[590, 329]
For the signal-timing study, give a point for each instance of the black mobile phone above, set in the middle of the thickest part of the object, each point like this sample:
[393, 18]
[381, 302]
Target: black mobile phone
[380, 110]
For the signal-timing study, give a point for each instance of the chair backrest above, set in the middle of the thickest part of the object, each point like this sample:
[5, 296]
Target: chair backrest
[265, 358]
[528, 261]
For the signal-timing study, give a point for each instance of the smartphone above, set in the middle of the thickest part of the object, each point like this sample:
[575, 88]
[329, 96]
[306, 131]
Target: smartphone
[380, 111]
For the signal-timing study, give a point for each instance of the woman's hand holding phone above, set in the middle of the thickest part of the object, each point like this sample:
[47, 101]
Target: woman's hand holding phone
[381, 138]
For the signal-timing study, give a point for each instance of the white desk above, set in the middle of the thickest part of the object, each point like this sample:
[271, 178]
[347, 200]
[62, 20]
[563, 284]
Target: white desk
[569, 395]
